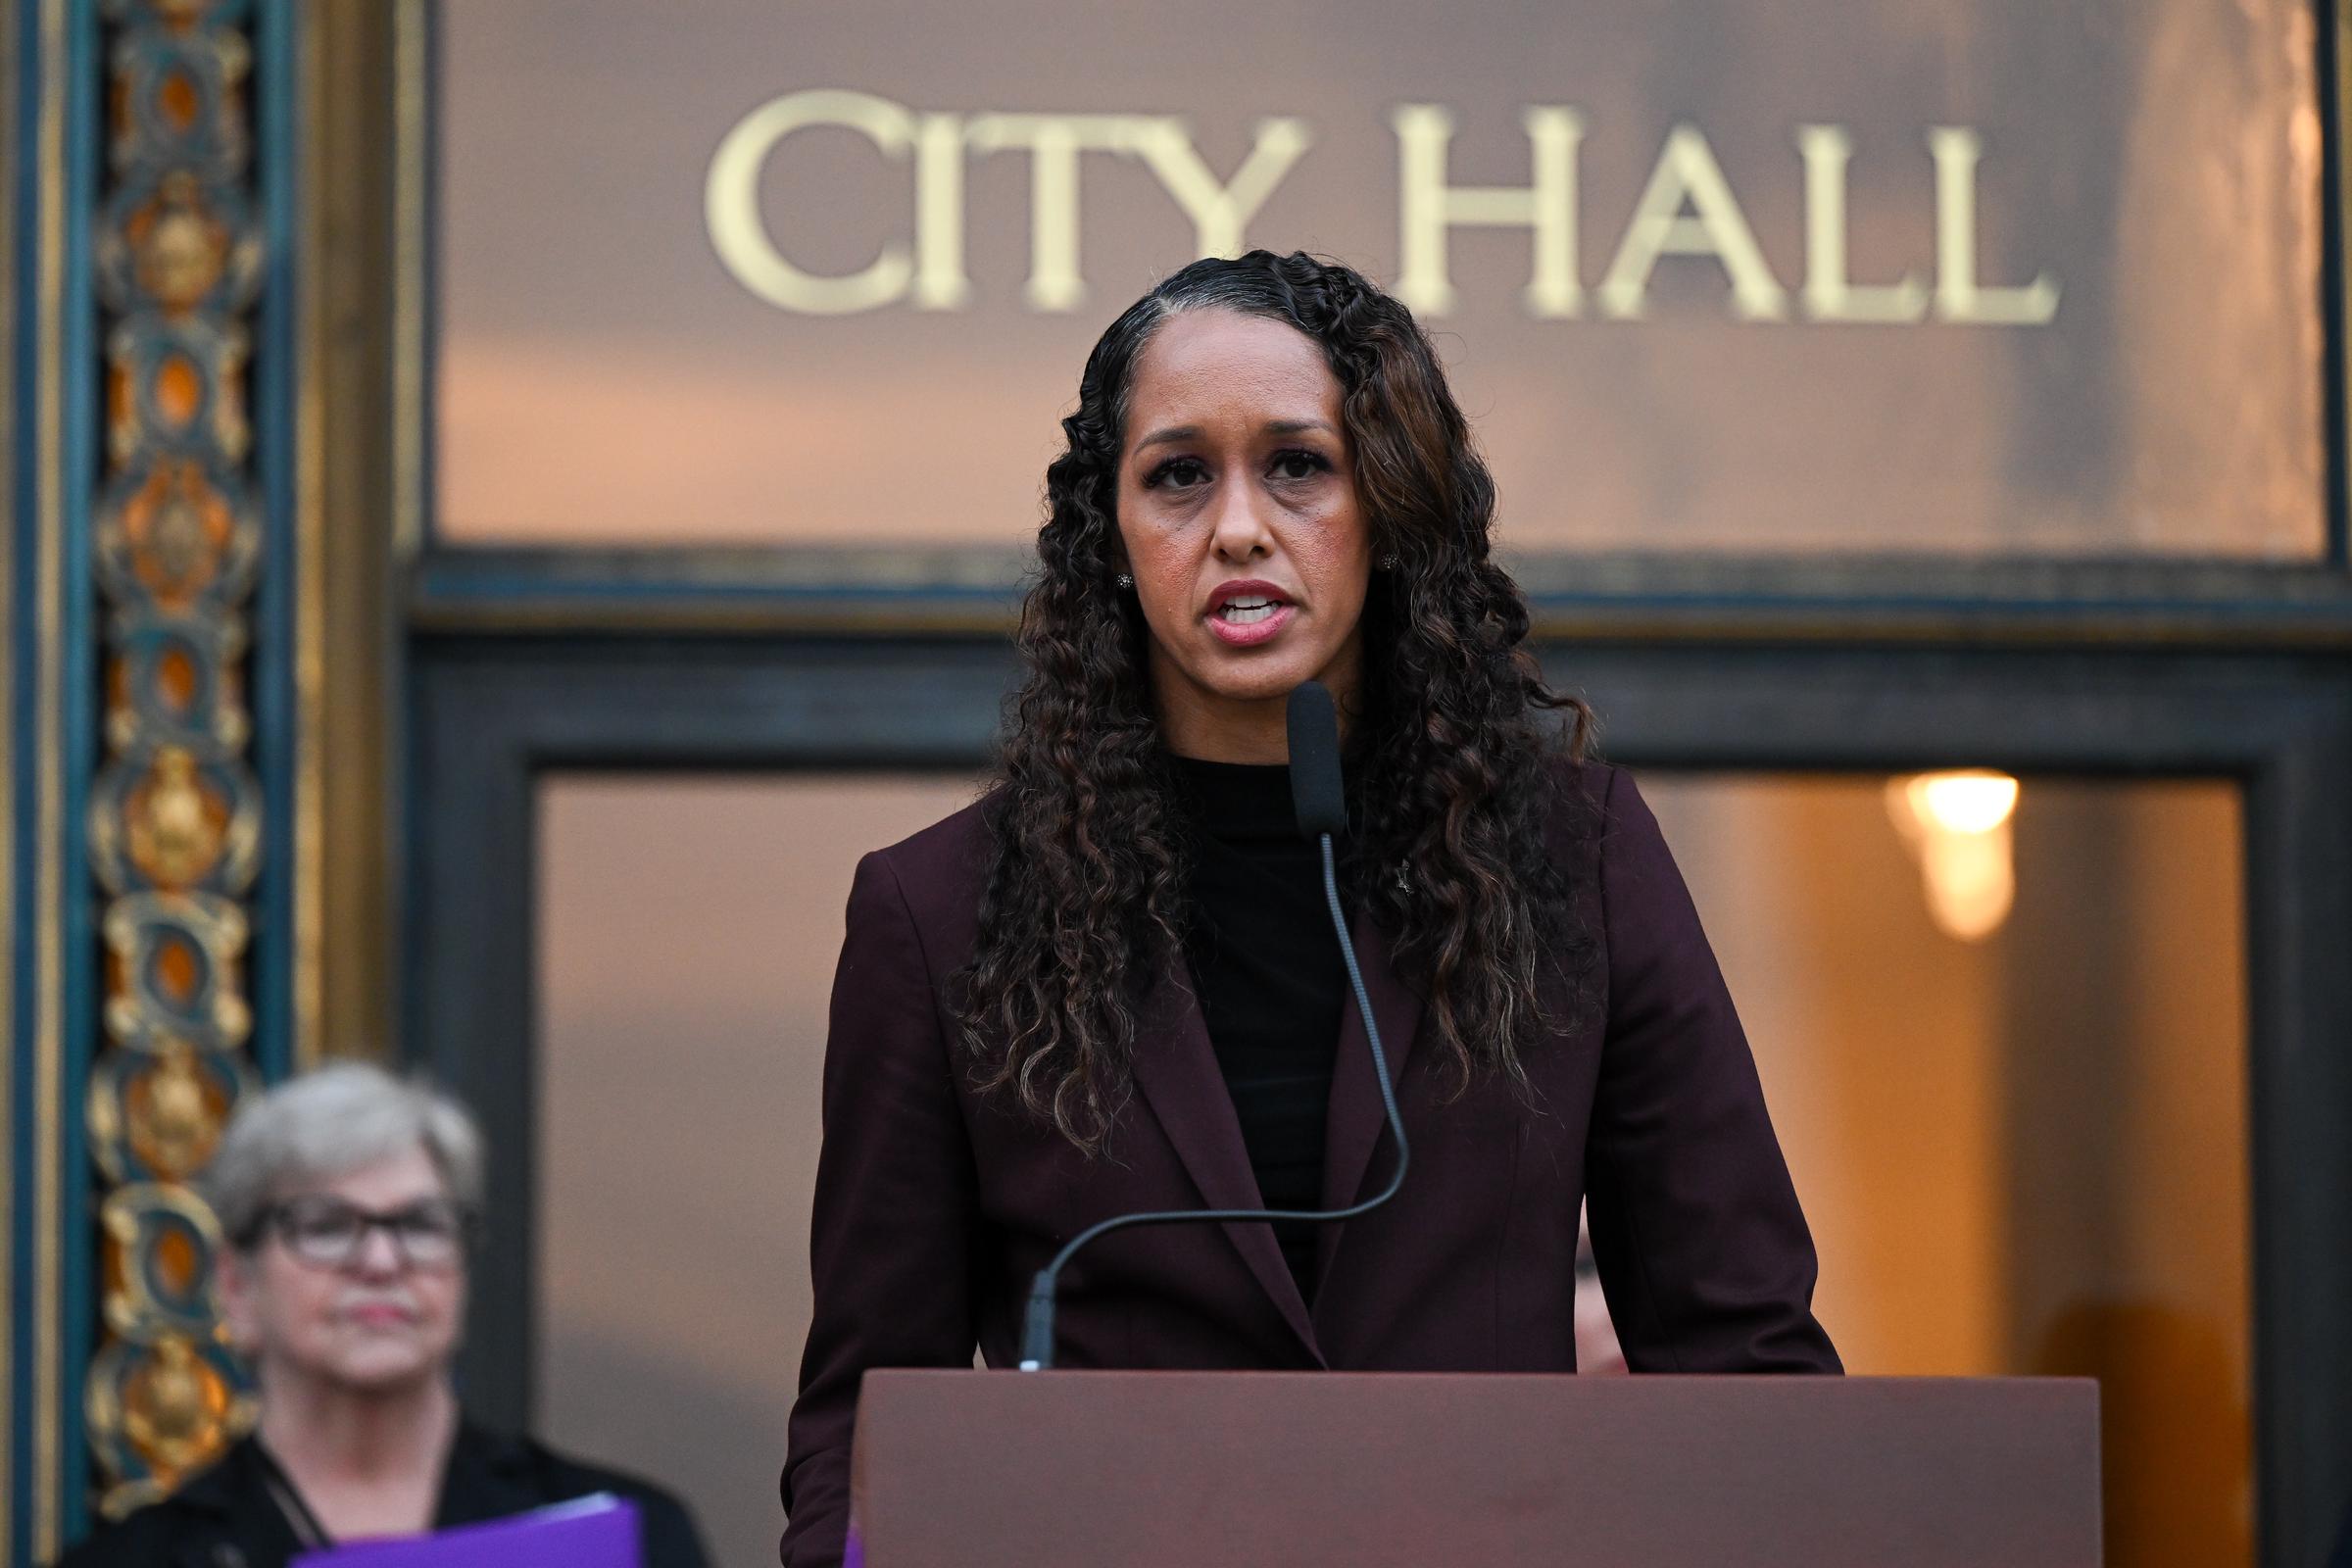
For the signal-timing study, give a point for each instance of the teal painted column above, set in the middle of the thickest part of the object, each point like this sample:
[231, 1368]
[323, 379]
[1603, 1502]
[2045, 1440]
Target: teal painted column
[52, 679]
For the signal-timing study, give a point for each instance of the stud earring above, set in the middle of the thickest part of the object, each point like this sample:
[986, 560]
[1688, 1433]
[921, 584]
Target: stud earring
[1386, 563]
[1125, 579]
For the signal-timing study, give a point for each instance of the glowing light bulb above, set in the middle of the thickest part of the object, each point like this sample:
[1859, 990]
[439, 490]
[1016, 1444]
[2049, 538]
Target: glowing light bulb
[1956, 825]
[1968, 802]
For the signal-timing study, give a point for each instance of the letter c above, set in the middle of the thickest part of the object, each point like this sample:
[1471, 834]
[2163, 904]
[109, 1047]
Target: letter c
[731, 203]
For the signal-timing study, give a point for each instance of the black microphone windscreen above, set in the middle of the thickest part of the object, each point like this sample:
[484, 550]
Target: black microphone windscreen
[1317, 794]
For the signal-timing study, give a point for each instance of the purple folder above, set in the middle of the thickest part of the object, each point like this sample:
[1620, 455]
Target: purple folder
[594, 1532]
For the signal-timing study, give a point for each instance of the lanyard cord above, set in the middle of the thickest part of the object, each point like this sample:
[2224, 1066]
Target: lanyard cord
[288, 1497]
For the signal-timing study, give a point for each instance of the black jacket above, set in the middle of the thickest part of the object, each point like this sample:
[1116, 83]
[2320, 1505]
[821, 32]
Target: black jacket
[224, 1517]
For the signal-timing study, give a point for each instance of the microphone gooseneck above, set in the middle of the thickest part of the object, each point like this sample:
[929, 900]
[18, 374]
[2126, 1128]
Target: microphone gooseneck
[1319, 797]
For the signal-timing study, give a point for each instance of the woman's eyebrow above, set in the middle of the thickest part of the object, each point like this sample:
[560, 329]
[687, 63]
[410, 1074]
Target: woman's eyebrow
[1297, 426]
[1173, 432]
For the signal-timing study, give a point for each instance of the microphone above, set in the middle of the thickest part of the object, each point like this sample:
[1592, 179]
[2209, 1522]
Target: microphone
[1319, 799]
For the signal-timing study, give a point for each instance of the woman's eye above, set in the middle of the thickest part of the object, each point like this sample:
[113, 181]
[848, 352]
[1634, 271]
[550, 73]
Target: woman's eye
[334, 1225]
[1182, 472]
[1297, 464]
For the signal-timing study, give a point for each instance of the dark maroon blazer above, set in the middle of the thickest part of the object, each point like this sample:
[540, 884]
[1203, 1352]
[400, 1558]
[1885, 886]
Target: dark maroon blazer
[935, 1203]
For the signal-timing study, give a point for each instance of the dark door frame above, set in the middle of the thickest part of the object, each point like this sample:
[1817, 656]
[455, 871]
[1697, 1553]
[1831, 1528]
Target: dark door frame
[490, 713]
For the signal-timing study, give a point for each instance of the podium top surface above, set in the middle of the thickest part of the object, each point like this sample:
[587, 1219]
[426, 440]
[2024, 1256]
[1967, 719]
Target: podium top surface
[1159, 1468]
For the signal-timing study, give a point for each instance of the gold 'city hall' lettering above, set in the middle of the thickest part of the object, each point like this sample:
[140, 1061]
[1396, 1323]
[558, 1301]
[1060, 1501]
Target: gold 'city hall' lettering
[1686, 209]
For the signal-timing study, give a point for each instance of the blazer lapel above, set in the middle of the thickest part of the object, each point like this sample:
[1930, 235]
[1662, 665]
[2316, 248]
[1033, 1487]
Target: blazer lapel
[1356, 1121]
[1176, 1069]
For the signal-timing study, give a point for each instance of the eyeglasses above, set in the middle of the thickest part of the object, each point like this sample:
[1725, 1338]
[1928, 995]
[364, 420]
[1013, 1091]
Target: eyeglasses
[329, 1232]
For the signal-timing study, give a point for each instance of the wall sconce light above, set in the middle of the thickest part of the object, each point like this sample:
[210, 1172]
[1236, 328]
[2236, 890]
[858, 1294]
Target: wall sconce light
[1956, 825]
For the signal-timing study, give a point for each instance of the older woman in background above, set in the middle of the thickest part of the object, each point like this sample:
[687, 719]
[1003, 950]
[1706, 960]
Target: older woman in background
[349, 1198]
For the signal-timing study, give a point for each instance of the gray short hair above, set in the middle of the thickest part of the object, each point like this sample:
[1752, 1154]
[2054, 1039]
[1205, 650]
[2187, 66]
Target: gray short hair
[328, 1123]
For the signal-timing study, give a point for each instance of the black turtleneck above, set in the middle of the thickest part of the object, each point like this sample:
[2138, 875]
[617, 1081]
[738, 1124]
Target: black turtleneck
[1267, 969]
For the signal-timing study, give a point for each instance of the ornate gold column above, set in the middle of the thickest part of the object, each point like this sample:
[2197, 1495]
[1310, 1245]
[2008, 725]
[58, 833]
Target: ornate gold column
[176, 809]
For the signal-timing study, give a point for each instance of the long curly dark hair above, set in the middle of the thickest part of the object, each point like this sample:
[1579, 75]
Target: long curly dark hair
[1454, 745]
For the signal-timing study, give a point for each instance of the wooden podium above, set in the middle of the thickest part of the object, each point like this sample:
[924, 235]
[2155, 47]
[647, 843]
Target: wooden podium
[1279, 1470]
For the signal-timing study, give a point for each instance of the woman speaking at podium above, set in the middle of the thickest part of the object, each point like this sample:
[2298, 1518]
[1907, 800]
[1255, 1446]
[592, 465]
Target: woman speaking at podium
[1111, 984]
